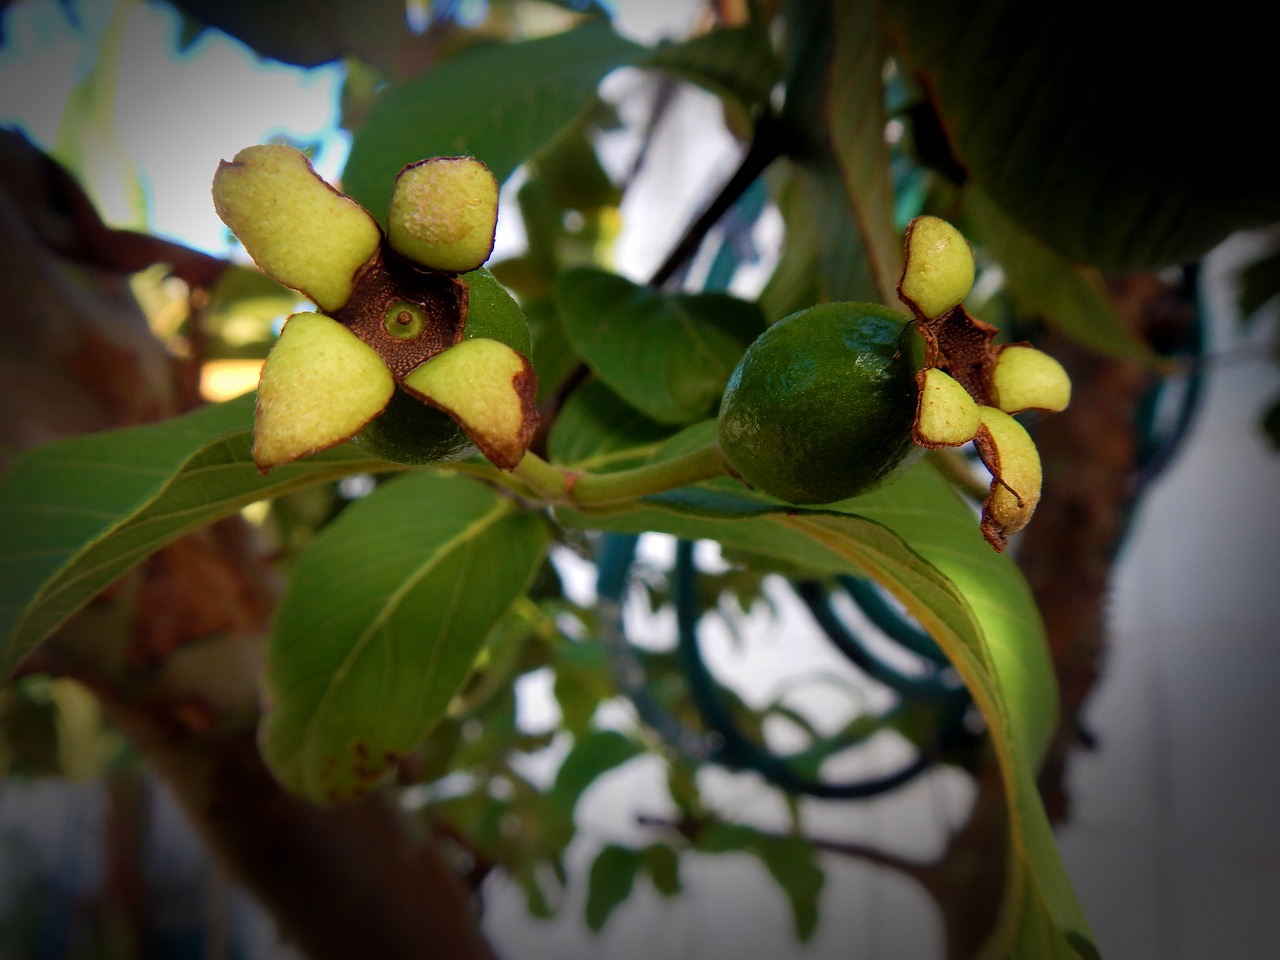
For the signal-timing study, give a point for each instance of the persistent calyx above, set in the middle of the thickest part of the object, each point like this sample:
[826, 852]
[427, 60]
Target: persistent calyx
[969, 386]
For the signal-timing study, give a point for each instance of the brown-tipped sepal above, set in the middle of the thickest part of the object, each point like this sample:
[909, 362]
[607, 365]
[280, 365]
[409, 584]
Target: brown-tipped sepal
[938, 273]
[444, 212]
[320, 385]
[489, 389]
[1010, 454]
[1025, 378]
[946, 416]
[298, 229]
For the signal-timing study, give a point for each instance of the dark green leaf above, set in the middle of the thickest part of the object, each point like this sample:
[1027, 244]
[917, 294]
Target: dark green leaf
[792, 864]
[612, 876]
[592, 756]
[309, 32]
[595, 429]
[663, 866]
[667, 355]
[381, 624]
[76, 514]
[1118, 147]
[498, 102]
[1048, 286]
[737, 63]
[856, 117]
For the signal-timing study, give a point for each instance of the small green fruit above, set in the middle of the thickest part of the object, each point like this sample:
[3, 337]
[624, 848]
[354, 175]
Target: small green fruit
[443, 213]
[820, 408]
[320, 384]
[1028, 379]
[411, 432]
[298, 229]
[939, 267]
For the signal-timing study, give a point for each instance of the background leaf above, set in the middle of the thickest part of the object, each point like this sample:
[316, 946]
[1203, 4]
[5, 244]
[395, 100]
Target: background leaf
[613, 873]
[856, 117]
[499, 102]
[309, 32]
[596, 428]
[381, 623]
[591, 757]
[1088, 135]
[1045, 284]
[76, 514]
[667, 355]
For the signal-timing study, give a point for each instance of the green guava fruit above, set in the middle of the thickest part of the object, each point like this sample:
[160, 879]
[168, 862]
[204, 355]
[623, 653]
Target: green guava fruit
[821, 406]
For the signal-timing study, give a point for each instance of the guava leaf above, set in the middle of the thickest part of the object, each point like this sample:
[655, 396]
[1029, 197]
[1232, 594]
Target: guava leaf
[76, 514]
[856, 117]
[380, 625]
[591, 757]
[667, 355]
[1102, 142]
[737, 63]
[613, 873]
[499, 102]
[662, 864]
[309, 33]
[1045, 284]
[920, 541]
[792, 864]
[595, 429]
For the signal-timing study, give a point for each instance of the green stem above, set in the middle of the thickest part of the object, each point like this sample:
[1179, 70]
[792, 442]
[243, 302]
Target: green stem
[587, 490]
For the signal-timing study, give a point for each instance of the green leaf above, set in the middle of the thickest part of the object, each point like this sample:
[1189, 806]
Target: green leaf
[612, 876]
[919, 540]
[1089, 137]
[735, 63]
[1045, 284]
[667, 355]
[823, 259]
[309, 33]
[856, 118]
[663, 866]
[793, 866]
[381, 624]
[595, 428]
[498, 102]
[76, 514]
[591, 757]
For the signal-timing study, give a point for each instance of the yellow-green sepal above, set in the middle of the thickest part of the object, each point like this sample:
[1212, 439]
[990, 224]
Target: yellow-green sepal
[1029, 379]
[489, 389]
[297, 228]
[444, 212]
[939, 267]
[320, 385]
[946, 416]
[1016, 475]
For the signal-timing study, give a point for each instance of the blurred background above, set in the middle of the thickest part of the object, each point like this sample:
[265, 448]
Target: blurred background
[1171, 838]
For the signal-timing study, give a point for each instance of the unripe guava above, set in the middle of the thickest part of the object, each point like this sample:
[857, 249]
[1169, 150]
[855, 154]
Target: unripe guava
[821, 406]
